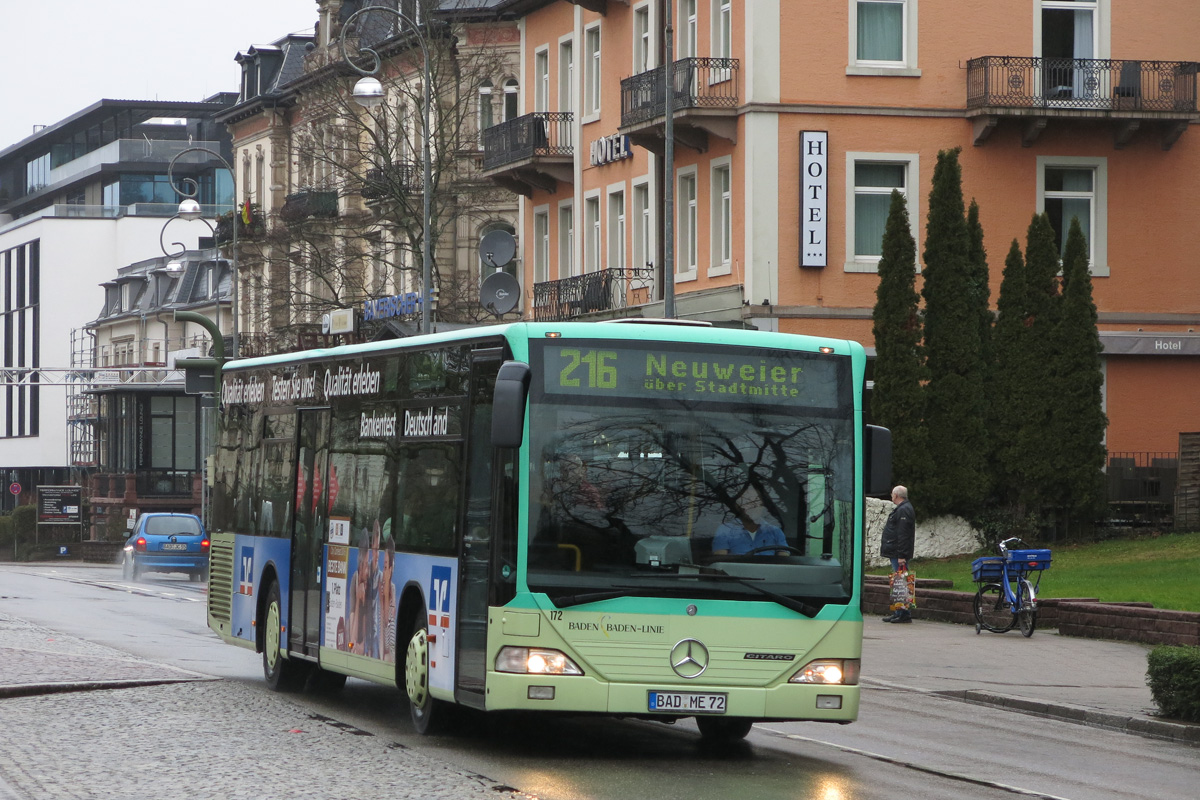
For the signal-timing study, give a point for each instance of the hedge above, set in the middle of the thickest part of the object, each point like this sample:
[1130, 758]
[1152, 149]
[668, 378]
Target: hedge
[1173, 674]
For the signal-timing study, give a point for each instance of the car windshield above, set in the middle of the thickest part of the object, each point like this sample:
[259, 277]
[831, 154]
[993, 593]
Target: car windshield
[172, 526]
[727, 495]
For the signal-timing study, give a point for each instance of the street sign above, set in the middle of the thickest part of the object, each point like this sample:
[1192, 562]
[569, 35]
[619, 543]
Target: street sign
[14, 488]
[60, 505]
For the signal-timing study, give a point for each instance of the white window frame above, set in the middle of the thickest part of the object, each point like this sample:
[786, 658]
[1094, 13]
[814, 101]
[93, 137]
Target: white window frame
[1101, 24]
[687, 234]
[644, 246]
[643, 40]
[722, 28]
[720, 218]
[592, 230]
[541, 244]
[593, 74]
[486, 91]
[1098, 244]
[541, 78]
[618, 227]
[912, 177]
[907, 66]
[566, 239]
[566, 73]
[689, 40]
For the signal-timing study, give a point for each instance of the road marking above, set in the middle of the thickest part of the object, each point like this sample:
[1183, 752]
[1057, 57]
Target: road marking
[918, 767]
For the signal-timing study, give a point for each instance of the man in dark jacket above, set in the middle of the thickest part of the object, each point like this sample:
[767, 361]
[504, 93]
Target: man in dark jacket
[899, 535]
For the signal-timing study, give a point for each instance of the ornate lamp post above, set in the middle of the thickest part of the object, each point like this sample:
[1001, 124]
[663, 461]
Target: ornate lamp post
[368, 92]
[189, 209]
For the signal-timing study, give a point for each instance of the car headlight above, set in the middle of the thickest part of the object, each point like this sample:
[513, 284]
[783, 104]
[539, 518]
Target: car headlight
[535, 661]
[840, 671]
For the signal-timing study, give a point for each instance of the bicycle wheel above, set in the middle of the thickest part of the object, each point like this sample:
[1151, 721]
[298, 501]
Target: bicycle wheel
[992, 610]
[1027, 608]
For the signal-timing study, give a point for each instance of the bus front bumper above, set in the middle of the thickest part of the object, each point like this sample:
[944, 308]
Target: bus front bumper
[582, 694]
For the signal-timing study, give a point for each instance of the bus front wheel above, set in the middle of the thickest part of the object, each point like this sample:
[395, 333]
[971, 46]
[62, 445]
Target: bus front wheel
[723, 729]
[426, 712]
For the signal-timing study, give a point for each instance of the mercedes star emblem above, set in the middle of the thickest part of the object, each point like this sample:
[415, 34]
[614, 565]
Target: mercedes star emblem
[689, 658]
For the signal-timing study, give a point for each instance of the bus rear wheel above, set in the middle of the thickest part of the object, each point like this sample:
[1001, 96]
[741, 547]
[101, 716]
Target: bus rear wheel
[723, 729]
[282, 674]
[426, 712]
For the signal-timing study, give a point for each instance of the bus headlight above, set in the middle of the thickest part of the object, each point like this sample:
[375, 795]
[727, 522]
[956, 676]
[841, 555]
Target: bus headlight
[841, 671]
[535, 661]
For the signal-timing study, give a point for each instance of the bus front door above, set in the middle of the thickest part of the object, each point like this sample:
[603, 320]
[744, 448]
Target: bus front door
[311, 519]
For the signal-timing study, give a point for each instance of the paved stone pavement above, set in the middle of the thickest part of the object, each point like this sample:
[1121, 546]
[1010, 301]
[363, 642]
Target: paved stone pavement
[145, 731]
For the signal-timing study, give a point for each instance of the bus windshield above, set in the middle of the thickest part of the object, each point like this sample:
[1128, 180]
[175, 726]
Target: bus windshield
[725, 473]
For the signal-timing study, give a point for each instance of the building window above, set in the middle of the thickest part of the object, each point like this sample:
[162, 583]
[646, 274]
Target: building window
[643, 56]
[111, 194]
[591, 233]
[643, 247]
[1072, 186]
[870, 178]
[20, 345]
[687, 38]
[260, 172]
[1069, 33]
[722, 29]
[486, 119]
[566, 76]
[616, 230]
[722, 217]
[173, 433]
[37, 173]
[566, 240]
[591, 71]
[541, 80]
[685, 203]
[512, 99]
[541, 245]
[883, 36]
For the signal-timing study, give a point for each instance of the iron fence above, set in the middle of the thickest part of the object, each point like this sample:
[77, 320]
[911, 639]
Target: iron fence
[542, 133]
[696, 82]
[590, 293]
[1088, 84]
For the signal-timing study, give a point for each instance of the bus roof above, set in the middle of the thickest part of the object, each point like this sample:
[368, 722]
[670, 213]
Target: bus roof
[516, 333]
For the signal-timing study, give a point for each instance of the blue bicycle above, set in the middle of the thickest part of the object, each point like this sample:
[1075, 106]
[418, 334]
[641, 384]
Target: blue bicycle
[1006, 596]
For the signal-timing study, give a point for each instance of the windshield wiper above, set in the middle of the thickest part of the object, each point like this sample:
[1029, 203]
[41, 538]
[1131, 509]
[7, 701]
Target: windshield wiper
[720, 575]
[568, 600]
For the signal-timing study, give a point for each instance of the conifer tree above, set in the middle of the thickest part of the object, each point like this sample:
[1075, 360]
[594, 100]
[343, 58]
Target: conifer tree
[897, 401]
[980, 299]
[954, 392]
[1078, 416]
[1008, 401]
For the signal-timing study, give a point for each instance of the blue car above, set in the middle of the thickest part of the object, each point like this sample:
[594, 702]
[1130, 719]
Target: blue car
[167, 543]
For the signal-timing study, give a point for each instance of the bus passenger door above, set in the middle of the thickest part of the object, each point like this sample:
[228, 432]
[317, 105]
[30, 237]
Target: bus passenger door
[475, 557]
[308, 530]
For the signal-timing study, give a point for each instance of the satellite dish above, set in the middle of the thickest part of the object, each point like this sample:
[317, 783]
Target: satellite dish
[497, 248]
[500, 292]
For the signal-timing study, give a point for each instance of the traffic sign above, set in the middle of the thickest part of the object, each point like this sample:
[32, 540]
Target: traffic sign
[14, 488]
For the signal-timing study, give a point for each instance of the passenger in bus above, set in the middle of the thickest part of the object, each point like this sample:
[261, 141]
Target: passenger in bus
[749, 529]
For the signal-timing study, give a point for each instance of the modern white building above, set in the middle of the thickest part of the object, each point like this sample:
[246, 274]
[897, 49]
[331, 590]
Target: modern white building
[79, 200]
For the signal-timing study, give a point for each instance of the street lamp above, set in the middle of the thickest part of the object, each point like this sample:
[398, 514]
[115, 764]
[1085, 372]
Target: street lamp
[189, 209]
[368, 93]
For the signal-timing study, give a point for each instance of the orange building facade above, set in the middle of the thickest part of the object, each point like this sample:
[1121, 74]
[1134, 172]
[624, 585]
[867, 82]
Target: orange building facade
[794, 120]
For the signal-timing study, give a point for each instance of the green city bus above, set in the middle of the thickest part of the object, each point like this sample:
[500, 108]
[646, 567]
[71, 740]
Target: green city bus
[638, 519]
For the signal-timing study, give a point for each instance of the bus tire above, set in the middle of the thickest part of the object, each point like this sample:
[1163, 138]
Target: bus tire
[282, 674]
[426, 712]
[724, 729]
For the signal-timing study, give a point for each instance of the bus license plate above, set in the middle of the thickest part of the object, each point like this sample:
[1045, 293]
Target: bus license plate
[688, 702]
[174, 546]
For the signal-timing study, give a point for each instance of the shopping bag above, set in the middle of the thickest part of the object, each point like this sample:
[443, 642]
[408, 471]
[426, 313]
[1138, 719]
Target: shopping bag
[902, 591]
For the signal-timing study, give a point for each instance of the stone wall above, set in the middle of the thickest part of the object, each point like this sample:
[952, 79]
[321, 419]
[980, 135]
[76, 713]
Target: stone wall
[936, 538]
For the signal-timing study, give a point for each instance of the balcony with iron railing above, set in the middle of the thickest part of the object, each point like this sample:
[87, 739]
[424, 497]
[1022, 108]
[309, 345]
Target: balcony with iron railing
[309, 203]
[534, 151]
[704, 97]
[1129, 93]
[592, 294]
[399, 178]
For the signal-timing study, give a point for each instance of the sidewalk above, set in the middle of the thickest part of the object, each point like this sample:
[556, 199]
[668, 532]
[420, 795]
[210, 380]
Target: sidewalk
[1087, 681]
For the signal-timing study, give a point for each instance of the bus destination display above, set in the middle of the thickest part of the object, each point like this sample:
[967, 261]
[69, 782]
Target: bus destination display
[727, 375]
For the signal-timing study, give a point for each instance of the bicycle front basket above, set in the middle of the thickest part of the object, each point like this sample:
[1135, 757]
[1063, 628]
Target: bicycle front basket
[1029, 560]
[988, 569]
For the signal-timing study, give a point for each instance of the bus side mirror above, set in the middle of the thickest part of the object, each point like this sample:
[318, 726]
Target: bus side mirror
[508, 404]
[877, 461]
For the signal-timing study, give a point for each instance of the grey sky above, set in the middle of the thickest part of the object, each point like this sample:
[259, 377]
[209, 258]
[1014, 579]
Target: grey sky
[60, 56]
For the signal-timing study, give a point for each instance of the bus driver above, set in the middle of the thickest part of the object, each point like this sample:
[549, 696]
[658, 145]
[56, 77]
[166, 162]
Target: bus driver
[749, 528]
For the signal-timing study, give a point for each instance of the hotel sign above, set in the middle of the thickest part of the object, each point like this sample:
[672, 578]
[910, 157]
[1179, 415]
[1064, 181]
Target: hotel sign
[814, 198]
[611, 148]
